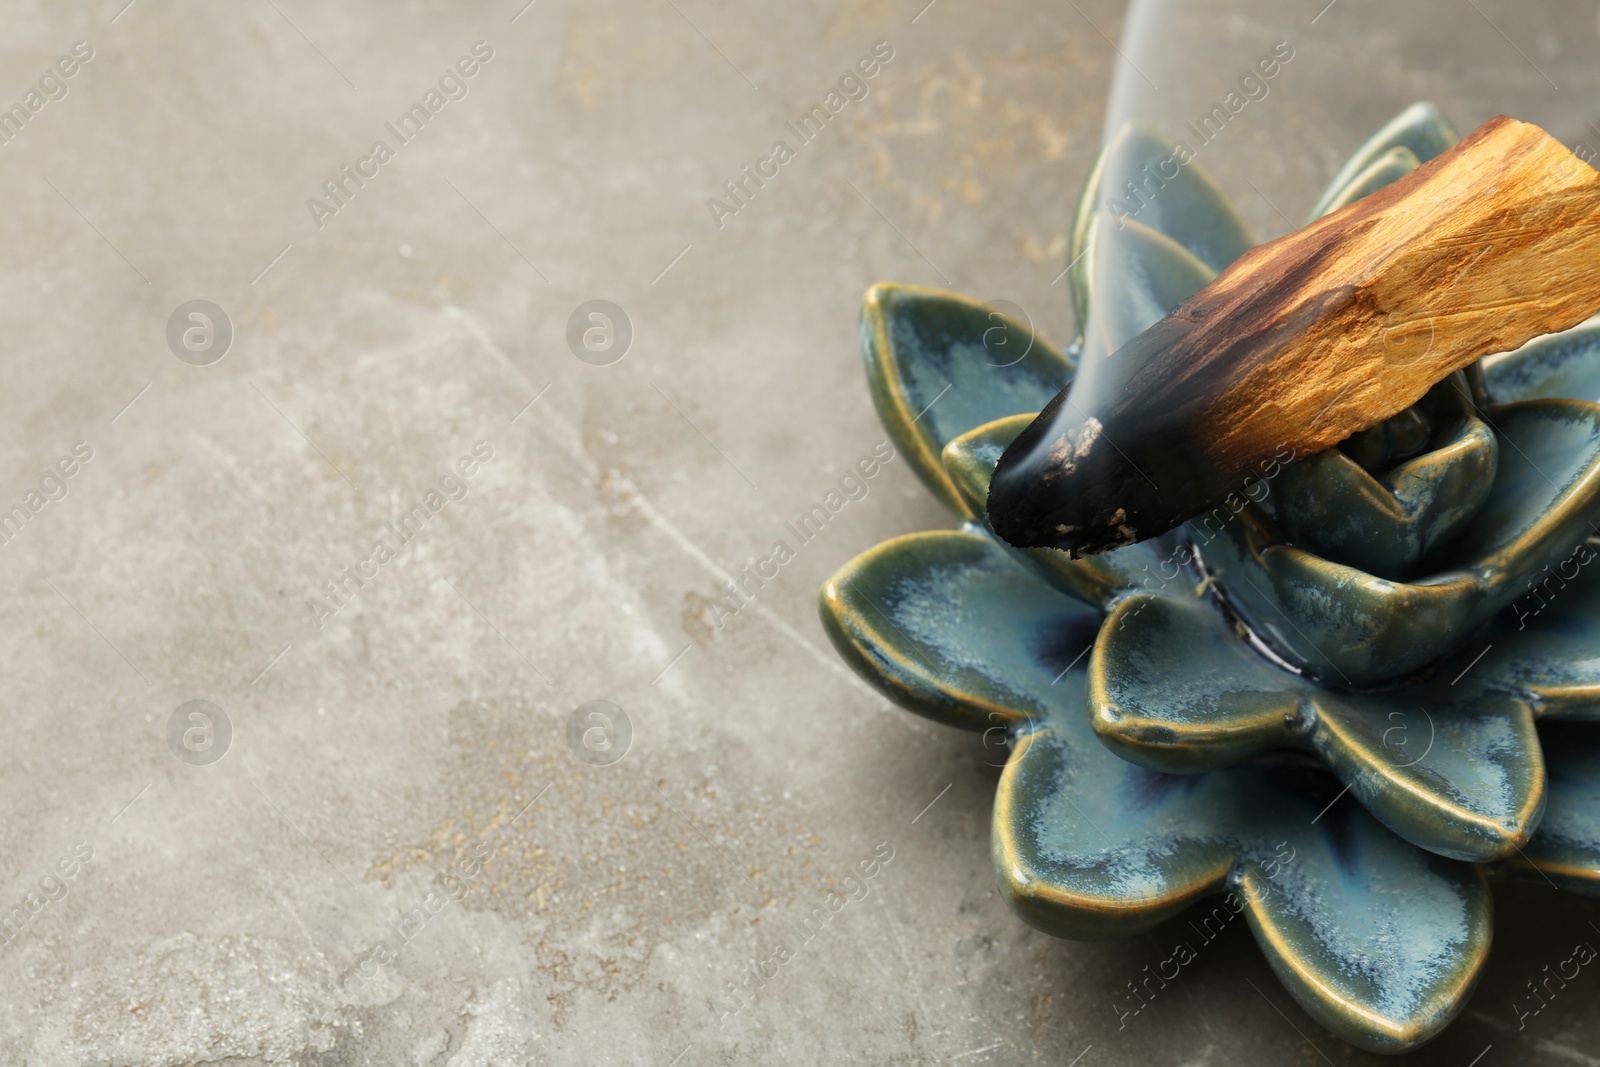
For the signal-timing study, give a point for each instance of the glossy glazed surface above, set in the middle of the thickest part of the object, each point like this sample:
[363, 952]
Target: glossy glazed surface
[1183, 709]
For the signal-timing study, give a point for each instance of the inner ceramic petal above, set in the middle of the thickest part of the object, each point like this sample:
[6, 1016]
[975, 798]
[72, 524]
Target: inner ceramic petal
[1172, 689]
[941, 364]
[1385, 524]
[1340, 623]
[1457, 771]
[1544, 500]
[1396, 438]
[1352, 627]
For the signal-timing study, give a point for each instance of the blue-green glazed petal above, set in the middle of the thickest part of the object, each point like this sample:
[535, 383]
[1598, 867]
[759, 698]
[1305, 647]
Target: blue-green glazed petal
[1378, 942]
[1146, 274]
[940, 364]
[1147, 178]
[1139, 179]
[1546, 648]
[1386, 523]
[1566, 850]
[1088, 846]
[945, 624]
[1340, 623]
[1351, 627]
[1457, 771]
[1565, 364]
[1421, 129]
[1546, 645]
[970, 459]
[1397, 162]
[1544, 501]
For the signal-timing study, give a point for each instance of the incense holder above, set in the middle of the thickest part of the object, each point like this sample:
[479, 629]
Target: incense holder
[1365, 679]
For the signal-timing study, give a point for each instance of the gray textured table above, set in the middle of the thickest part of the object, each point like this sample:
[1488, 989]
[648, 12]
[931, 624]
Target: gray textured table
[399, 533]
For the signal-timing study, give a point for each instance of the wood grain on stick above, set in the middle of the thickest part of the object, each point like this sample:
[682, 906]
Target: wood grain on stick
[1310, 338]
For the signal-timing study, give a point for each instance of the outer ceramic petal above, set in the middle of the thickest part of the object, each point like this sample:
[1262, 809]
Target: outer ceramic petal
[1373, 939]
[1397, 162]
[1420, 128]
[1140, 274]
[1353, 627]
[1546, 646]
[948, 626]
[1188, 207]
[933, 376]
[1087, 846]
[1555, 365]
[1566, 850]
[970, 460]
[1459, 772]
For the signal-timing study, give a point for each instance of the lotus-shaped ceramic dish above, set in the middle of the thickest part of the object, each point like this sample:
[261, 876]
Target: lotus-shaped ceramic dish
[1327, 697]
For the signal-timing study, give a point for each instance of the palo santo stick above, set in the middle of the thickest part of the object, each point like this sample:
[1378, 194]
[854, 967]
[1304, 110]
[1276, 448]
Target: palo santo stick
[1307, 339]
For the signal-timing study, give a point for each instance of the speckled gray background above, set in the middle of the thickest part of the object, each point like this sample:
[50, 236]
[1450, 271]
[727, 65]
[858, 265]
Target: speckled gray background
[230, 911]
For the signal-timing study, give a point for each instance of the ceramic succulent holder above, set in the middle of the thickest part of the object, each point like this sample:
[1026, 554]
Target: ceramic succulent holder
[1334, 696]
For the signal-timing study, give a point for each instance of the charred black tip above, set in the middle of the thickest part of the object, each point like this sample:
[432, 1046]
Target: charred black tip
[1074, 483]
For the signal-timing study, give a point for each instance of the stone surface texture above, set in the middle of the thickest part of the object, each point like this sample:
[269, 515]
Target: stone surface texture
[385, 744]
